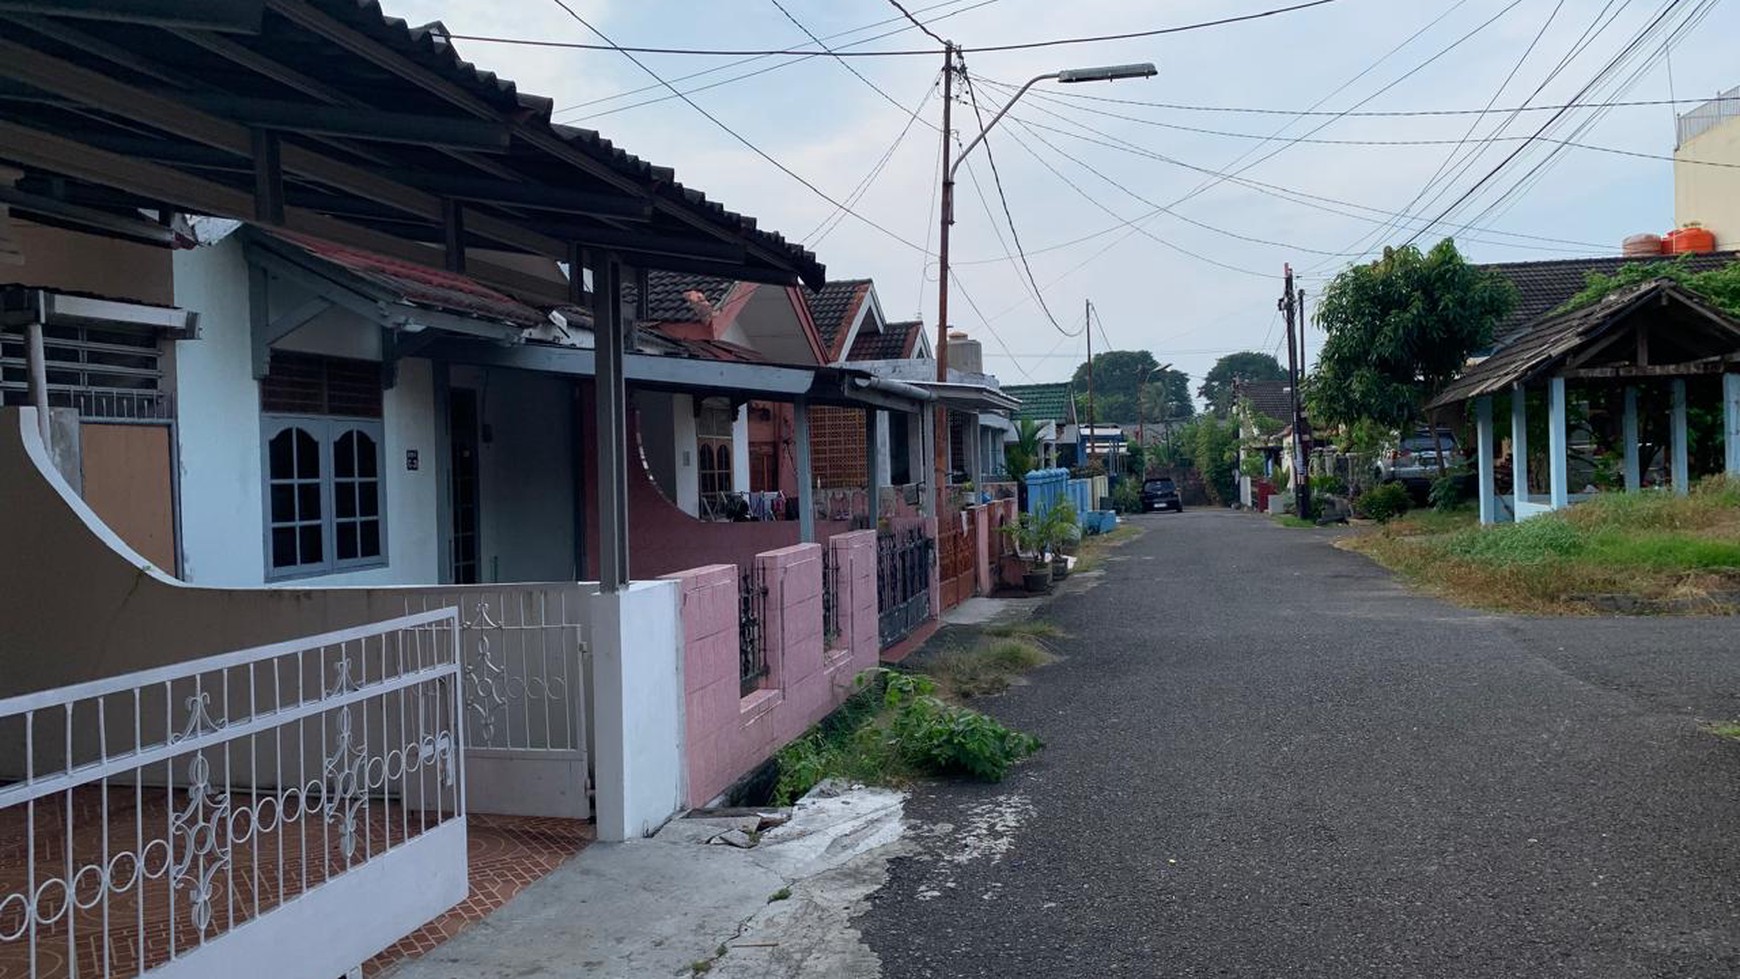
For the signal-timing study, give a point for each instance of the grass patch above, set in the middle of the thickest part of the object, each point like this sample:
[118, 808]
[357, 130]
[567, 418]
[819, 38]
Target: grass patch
[897, 727]
[988, 667]
[1092, 550]
[1289, 520]
[1723, 729]
[1651, 546]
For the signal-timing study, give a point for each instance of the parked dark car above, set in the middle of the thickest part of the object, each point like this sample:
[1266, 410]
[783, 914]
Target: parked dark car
[1161, 494]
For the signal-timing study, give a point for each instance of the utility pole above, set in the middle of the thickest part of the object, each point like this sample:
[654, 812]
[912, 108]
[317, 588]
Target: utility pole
[941, 441]
[1088, 325]
[1289, 305]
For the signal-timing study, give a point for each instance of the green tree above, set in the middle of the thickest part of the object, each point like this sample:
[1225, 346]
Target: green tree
[1023, 454]
[1120, 377]
[1399, 329]
[1246, 365]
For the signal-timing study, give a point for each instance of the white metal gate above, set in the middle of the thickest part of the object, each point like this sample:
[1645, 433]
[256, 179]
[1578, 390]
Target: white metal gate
[522, 652]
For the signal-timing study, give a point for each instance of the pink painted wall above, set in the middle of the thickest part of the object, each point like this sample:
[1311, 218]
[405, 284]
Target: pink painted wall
[727, 734]
[662, 539]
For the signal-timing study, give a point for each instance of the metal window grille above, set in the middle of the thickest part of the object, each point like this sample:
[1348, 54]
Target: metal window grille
[751, 615]
[102, 371]
[312, 384]
[830, 595]
[902, 583]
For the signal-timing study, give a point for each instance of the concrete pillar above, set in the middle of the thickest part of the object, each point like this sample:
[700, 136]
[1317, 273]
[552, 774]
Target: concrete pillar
[37, 359]
[610, 409]
[636, 640]
[1558, 448]
[740, 450]
[1519, 443]
[1681, 458]
[1731, 423]
[883, 451]
[806, 474]
[1485, 441]
[925, 472]
[1633, 462]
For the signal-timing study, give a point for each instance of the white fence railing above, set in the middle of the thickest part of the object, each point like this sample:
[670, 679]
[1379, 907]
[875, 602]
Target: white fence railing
[144, 817]
[522, 656]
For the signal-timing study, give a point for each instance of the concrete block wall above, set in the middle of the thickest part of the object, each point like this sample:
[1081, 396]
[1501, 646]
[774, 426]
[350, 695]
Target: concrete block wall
[727, 734]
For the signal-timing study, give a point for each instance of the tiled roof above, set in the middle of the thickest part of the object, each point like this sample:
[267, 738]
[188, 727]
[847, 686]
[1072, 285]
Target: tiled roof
[667, 292]
[1696, 326]
[834, 306]
[420, 285]
[897, 341]
[1042, 402]
[1273, 399]
[428, 46]
[1545, 286]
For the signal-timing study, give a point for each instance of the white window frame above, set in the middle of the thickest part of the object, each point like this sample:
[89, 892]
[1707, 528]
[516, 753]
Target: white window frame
[326, 430]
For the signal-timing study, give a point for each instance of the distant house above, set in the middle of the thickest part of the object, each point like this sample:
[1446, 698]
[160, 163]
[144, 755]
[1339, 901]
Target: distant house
[1053, 407]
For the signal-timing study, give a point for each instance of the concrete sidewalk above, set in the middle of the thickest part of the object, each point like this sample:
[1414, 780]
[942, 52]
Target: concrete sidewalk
[677, 905]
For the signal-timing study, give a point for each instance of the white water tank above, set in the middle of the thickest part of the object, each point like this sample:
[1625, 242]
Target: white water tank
[966, 354]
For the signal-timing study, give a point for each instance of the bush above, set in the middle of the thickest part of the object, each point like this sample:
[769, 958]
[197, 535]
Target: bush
[1127, 496]
[1382, 503]
[1324, 484]
[1445, 494]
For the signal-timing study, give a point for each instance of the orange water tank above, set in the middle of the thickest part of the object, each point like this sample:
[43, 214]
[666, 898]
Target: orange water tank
[1689, 239]
[1637, 246]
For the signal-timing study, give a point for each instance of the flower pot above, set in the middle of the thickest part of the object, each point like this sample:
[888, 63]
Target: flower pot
[1036, 580]
[1059, 568]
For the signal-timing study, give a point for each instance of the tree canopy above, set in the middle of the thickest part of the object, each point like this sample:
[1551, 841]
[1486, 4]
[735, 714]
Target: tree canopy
[1118, 381]
[1399, 329]
[1246, 365]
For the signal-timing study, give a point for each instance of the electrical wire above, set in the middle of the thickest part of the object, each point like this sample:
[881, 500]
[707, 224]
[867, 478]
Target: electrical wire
[1014, 232]
[794, 60]
[758, 151]
[891, 100]
[924, 52]
[837, 217]
[918, 23]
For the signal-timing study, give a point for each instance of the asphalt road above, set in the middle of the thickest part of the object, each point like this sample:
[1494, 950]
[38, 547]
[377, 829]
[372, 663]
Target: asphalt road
[1265, 758]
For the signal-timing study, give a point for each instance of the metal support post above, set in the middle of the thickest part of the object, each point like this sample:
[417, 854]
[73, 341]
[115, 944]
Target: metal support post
[806, 476]
[611, 409]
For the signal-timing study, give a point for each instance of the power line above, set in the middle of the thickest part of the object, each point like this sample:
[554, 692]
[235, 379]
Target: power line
[855, 72]
[838, 217]
[1014, 232]
[919, 52]
[793, 61]
[1379, 113]
[734, 134]
[918, 23]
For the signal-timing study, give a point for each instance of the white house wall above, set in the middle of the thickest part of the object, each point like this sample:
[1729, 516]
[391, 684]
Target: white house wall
[525, 474]
[218, 407]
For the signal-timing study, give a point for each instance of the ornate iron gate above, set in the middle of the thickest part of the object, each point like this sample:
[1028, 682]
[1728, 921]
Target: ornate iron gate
[902, 583]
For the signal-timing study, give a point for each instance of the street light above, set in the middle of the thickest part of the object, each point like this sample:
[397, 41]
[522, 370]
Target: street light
[1067, 76]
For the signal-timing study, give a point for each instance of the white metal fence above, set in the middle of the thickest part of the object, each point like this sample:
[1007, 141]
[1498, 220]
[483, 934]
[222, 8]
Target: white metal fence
[522, 654]
[153, 813]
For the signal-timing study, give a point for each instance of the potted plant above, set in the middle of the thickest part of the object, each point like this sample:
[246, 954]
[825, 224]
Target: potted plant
[1063, 532]
[1029, 534]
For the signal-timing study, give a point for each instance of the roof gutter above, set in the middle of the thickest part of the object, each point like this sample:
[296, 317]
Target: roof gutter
[899, 389]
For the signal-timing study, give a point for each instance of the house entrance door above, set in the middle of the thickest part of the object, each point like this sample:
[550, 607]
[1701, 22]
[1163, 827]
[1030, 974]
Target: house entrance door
[463, 424]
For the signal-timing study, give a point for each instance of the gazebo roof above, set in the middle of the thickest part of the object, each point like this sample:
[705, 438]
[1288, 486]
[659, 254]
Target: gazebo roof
[1677, 334]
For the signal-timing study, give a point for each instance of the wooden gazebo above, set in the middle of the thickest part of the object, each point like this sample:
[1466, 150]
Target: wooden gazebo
[1647, 334]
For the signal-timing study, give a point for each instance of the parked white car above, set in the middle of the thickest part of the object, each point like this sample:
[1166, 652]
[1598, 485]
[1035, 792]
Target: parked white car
[1413, 460]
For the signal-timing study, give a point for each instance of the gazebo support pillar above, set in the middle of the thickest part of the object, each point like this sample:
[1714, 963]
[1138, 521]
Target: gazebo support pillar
[1519, 449]
[1633, 463]
[1488, 485]
[1558, 462]
[1682, 459]
[1731, 423]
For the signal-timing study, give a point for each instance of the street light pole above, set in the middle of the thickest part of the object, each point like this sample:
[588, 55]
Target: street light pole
[1067, 76]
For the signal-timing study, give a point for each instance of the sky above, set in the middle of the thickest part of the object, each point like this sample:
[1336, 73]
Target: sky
[1118, 203]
